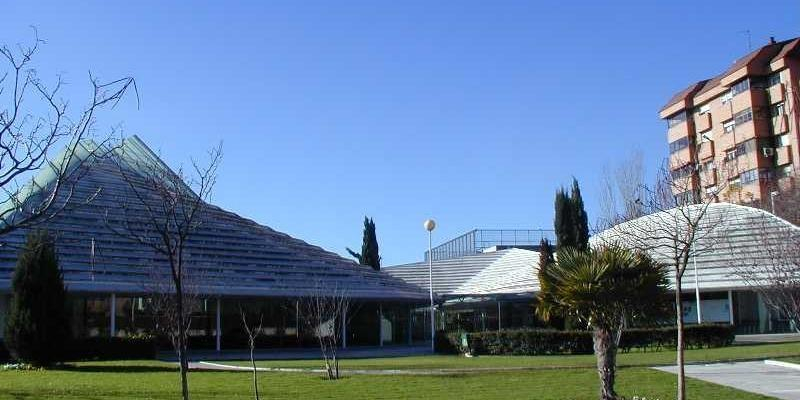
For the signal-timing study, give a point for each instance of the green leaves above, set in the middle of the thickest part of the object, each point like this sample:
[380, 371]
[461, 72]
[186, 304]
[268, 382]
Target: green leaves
[603, 287]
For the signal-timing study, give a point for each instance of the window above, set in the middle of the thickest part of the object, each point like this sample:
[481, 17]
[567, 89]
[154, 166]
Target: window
[678, 145]
[782, 141]
[734, 183]
[727, 126]
[743, 116]
[676, 119]
[785, 171]
[740, 150]
[707, 136]
[740, 87]
[749, 176]
[726, 97]
[777, 110]
[704, 109]
[774, 79]
[683, 171]
[707, 166]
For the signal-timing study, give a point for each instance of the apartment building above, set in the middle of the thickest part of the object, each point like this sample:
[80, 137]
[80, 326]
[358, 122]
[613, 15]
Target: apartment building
[735, 137]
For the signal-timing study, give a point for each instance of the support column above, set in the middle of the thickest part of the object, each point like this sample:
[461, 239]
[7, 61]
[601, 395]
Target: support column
[410, 325]
[499, 322]
[113, 325]
[730, 306]
[380, 325]
[218, 331]
[344, 328]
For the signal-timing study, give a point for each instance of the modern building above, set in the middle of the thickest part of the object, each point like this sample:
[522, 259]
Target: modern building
[496, 289]
[735, 136]
[232, 262]
[732, 241]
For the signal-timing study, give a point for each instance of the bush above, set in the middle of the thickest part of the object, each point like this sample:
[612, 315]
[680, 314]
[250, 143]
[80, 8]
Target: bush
[138, 347]
[37, 328]
[534, 342]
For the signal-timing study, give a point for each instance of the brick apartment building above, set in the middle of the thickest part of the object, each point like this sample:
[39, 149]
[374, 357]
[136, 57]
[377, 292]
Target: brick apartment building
[735, 136]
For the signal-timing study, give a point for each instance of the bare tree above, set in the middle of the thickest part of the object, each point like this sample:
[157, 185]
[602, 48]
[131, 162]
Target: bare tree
[37, 120]
[252, 331]
[622, 192]
[773, 271]
[677, 229]
[323, 312]
[165, 210]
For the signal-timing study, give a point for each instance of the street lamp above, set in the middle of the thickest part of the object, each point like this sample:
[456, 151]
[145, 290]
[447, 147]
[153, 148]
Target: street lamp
[430, 225]
[772, 200]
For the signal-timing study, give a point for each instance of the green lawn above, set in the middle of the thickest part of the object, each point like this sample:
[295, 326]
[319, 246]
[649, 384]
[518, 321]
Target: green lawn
[559, 377]
[732, 353]
[154, 380]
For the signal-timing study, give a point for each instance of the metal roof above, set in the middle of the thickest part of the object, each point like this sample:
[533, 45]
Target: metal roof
[502, 272]
[730, 237]
[227, 254]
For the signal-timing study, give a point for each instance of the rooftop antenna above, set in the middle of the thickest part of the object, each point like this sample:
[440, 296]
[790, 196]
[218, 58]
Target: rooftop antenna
[746, 32]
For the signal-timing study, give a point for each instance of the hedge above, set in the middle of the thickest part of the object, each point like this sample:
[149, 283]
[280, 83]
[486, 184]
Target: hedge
[104, 348]
[545, 342]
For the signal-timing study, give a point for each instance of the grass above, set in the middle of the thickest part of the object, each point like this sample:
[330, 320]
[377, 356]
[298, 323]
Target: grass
[121, 380]
[156, 380]
[733, 353]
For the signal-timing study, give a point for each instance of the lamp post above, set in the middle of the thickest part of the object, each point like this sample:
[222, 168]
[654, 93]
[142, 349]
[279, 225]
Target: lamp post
[772, 200]
[430, 225]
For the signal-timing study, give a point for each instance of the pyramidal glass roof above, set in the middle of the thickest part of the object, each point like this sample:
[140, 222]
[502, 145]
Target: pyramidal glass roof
[226, 255]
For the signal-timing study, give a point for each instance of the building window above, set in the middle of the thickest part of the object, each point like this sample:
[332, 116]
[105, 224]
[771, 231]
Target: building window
[774, 79]
[785, 171]
[726, 97]
[707, 166]
[743, 116]
[740, 87]
[749, 176]
[704, 109]
[777, 110]
[678, 145]
[682, 172]
[740, 150]
[734, 183]
[728, 126]
[782, 141]
[676, 119]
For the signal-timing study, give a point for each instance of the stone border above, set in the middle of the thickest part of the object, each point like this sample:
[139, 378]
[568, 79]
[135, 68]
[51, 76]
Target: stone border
[782, 364]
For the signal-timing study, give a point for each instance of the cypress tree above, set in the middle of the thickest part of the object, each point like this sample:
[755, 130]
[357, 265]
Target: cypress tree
[369, 255]
[580, 220]
[563, 222]
[37, 329]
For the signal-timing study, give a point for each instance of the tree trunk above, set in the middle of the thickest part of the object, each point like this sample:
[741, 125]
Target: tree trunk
[680, 342]
[605, 350]
[255, 371]
[183, 358]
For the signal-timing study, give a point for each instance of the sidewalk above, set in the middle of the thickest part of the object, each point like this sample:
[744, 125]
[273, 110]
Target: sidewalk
[751, 376]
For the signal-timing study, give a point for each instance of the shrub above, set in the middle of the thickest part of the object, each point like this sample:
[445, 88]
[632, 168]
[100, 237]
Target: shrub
[546, 342]
[138, 347]
[37, 329]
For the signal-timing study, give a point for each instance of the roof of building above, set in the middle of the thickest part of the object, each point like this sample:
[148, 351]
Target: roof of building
[496, 273]
[730, 237]
[761, 56]
[226, 255]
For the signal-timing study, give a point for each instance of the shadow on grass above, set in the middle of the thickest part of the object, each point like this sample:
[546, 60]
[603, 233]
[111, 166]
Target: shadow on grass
[116, 368]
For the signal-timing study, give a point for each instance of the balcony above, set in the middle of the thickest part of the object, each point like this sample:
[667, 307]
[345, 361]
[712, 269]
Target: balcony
[744, 131]
[776, 93]
[780, 124]
[680, 158]
[705, 151]
[742, 101]
[678, 131]
[708, 178]
[702, 122]
[783, 155]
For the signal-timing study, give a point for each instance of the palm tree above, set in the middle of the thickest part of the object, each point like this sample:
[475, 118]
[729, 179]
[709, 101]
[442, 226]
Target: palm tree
[605, 289]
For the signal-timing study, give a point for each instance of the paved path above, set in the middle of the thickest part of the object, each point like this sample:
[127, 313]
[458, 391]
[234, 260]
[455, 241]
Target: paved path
[308, 353]
[768, 338]
[750, 376]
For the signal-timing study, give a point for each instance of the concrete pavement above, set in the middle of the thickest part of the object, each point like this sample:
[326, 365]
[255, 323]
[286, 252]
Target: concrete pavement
[751, 376]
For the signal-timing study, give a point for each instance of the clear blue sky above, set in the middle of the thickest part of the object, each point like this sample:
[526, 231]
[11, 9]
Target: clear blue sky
[469, 112]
